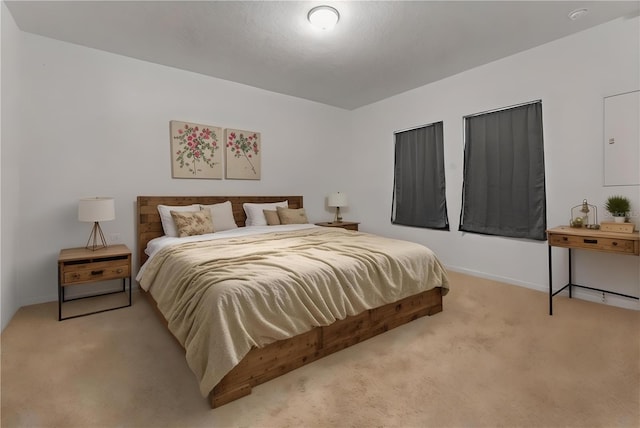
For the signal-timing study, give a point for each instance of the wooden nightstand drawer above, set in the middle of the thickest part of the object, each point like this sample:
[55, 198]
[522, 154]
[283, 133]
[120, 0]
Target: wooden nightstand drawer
[99, 271]
[612, 245]
[349, 225]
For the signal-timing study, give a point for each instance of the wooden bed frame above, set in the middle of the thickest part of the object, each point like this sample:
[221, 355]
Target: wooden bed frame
[278, 358]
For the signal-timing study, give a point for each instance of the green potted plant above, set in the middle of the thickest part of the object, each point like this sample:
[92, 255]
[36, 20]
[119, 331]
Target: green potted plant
[618, 206]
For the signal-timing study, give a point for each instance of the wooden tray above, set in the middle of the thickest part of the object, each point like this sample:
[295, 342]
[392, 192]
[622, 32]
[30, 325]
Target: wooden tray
[617, 227]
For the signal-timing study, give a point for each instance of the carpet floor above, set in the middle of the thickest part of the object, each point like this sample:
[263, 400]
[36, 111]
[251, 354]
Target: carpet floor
[492, 358]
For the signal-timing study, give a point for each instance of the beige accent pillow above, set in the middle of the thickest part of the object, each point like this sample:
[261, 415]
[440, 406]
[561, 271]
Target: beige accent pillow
[192, 223]
[221, 216]
[292, 215]
[272, 217]
[255, 214]
[168, 225]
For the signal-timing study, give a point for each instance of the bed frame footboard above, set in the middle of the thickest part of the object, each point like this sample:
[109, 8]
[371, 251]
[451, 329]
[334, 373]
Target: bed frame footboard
[278, 358]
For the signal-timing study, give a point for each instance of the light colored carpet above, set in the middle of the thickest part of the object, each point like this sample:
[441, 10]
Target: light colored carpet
[493, 358]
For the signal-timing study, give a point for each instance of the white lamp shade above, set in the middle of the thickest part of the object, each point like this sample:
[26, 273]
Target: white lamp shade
[96, 209]
[337, 199]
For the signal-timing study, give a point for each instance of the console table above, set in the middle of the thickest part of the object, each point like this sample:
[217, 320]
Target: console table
[589, 239]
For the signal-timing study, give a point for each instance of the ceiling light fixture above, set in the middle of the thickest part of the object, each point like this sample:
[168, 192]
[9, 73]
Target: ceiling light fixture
[323, 17]
[577, 14]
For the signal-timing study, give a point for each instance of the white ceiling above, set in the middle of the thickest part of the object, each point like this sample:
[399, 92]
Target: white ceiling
[378, 48]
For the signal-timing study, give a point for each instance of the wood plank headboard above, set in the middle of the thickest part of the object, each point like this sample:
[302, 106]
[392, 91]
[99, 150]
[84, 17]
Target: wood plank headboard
[148, 219]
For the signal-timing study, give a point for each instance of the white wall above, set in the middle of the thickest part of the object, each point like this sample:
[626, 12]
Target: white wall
[571, 76]
[9, 169]
[97, 124]
[94, 123]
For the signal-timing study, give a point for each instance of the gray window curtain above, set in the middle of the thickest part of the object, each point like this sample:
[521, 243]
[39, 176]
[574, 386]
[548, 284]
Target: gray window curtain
[419, 185]
[504, 183]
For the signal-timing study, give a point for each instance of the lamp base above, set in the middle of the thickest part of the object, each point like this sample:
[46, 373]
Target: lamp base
[338, 218]
[96, 239]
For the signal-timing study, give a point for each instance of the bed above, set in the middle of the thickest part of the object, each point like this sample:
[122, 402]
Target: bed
[295, 260]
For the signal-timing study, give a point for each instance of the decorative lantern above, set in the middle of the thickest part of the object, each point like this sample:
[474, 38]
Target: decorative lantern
[584, 215]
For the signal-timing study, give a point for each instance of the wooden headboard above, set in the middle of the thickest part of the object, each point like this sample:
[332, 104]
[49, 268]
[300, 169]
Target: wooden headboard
[148, 219]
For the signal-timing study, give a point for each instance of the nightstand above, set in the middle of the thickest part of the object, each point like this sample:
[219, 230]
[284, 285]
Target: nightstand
[81, 266]
[349, 225]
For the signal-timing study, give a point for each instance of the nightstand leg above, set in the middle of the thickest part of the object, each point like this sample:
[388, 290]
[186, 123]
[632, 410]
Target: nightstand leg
[130, 290]
[59, 296]
[550, 285]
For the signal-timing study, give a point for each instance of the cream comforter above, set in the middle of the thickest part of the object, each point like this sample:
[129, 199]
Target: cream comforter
[225, 296]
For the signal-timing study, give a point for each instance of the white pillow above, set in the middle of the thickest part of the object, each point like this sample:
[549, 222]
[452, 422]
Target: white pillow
[222, 216]
[168, 225]
[255, 215]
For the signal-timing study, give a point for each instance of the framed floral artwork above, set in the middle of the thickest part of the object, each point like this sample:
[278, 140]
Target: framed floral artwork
[195, 150]
[243, 150]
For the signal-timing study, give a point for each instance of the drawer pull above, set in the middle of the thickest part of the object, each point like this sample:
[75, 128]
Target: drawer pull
[564, 238]
[614, 243]
[97, 272]
[590, 241]
[119, 270]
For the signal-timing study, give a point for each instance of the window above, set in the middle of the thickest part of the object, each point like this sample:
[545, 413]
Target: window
[419, 186]
[504, 185]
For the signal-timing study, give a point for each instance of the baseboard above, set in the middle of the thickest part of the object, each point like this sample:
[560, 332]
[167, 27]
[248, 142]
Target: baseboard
[506, 280]
[578, 293]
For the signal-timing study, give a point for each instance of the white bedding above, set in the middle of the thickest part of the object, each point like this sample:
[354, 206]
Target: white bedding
[159, 243]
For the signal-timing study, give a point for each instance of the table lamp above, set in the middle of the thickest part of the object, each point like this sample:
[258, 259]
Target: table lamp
[337, 200]
[96, 210]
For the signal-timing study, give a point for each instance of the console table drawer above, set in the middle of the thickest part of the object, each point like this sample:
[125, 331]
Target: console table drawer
[611, 245]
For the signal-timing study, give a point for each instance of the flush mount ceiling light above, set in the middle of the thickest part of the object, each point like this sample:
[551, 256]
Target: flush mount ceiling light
[323, 17]
[577, 14]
